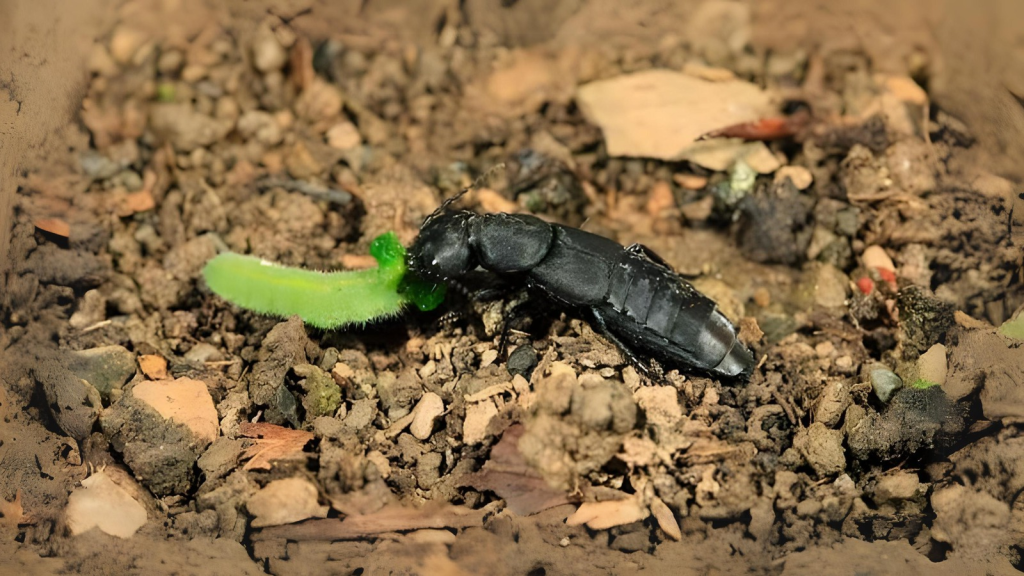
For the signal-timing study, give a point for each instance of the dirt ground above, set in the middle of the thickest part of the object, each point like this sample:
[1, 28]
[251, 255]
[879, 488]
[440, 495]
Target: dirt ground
[857, 214]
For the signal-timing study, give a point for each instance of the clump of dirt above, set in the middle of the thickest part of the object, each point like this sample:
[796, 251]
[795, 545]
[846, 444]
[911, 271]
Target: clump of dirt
[867, 269]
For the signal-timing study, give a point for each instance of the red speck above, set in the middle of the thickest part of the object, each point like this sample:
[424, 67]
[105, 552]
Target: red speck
[887, 275]
[866, 285]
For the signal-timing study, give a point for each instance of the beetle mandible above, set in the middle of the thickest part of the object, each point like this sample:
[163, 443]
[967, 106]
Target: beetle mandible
[629, 294]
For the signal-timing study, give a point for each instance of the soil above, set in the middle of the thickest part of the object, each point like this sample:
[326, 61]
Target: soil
[868, 253]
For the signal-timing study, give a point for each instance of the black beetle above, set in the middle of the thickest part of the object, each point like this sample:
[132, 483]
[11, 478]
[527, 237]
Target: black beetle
[629, 293]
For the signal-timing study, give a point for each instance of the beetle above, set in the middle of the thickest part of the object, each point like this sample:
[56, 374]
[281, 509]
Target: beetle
[630, 294]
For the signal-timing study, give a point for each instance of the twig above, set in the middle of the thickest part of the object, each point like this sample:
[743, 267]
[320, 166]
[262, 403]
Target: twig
[332, 195]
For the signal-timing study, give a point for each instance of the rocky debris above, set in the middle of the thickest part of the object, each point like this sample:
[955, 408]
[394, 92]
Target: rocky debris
[924, 319]
[800, 177]
[931, 366]
[284, 502]
[321, 395]
[102, 503]
[162, 433]
[973, 523]
[106, 368]
[885, 383]
[983, 358]
[184, 401]
[426, 413]
[776, 227]
[74, 403]
[185, 128]
[284, 347]
[913, 420]
[822, 448]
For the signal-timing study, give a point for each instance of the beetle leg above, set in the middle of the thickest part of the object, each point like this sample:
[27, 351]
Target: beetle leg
[511, 315]
[650, 369]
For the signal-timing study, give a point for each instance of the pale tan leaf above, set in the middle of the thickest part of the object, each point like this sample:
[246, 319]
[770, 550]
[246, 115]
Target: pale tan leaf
[604, 515]
[666, 519]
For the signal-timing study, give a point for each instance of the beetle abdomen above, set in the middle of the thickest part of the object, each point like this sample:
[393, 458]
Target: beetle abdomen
[654, 309]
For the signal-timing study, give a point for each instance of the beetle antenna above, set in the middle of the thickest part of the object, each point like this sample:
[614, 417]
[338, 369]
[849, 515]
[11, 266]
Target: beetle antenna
[480, 180]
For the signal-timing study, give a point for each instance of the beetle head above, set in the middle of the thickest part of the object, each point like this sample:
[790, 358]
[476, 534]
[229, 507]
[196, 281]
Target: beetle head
[442, 249]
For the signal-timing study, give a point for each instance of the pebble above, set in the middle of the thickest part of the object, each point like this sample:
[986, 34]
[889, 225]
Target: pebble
[931, 365]
[259, 125]
[185, 128]
[97, 166]
[170, 61]
[875, 258]
[899, 485]
[800, 177]
[522, 361]
[478, 417]
[834, 399]
[660, 404]
[822, 447]
[107, 368]
[488, 358]
[690, 181]
[425, 415]
[660, 198]
[556, 389]
[267, 53]
[698, 211]
[125, 42]
[285, 501]
[300, 162]
[885, 383]
[344, 136]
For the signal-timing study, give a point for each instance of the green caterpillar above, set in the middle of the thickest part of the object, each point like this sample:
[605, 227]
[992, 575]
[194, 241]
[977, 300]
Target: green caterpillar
[324, 300]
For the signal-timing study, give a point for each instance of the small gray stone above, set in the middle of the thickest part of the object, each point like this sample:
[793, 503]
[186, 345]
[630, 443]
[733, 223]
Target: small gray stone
[362, 414]
[522, 361]
[107, 368]
[885, 383]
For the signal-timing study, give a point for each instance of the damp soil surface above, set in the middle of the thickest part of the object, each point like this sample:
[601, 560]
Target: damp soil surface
[840, 215]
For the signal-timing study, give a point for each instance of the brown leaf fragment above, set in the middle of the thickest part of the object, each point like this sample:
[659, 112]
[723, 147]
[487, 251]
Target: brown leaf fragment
[272, 442]
[666, 519]
[394, 518]
[607, 514]
[509, 476]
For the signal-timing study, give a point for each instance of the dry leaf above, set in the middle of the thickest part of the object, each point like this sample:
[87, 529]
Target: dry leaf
[272, 443]
[54, 226]
[604, 515]
[284, 502]
[395, 518]
[660, 113]
[153, 366]
[102, 503]
[508, 475]
[666, 519]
